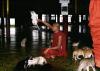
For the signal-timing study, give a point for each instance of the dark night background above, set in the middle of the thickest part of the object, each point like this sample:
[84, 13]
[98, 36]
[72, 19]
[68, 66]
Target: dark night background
[20, 9]
[44, 6]
[23, 8]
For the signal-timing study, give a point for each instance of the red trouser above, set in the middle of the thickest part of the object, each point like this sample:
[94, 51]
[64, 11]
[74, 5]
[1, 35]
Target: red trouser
[54, 53]
[94, 23]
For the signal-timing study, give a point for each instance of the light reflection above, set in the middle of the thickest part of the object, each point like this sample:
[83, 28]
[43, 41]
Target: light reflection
[5, 21]
[43, 27]
[35, 34]
[84, 17]
[12, 31]
[43, 17]
[61, 28]
[43, 35]
[69, 18]
[0, 21]
[69, 28]
[52, 16]
[5, 31]
[61, 18]
[12, 21]
[79, 18]
[80, 28]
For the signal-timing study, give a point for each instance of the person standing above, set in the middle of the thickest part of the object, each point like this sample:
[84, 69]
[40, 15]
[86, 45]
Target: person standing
[94, 24]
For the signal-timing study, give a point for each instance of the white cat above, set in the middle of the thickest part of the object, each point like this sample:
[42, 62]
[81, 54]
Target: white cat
[37, 61]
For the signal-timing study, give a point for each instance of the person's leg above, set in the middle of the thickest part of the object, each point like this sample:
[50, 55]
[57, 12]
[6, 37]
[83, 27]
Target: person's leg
[50, 54]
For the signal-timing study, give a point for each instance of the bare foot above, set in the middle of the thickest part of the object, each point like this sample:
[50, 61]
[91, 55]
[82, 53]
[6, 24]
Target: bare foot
[53, 57]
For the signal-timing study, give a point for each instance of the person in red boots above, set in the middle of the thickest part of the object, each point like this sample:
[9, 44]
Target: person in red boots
[94, 24]
[58, 46]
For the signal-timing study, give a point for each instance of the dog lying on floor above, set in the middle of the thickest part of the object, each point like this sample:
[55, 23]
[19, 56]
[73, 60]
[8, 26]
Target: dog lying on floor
[85, 64]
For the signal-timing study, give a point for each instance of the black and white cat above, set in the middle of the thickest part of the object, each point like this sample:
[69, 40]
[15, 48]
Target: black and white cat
[33, 64]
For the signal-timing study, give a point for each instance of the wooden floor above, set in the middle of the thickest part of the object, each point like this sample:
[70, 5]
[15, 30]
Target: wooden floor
[12, 55]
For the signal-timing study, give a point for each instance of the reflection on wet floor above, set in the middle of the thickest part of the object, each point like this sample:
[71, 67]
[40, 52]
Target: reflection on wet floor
[12, 55]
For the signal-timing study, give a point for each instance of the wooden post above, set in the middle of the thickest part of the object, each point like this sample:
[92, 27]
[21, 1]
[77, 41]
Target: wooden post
[7, 23]
[65, 22]
[2, 25]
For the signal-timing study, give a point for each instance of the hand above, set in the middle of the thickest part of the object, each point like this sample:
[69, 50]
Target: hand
[39, 20]
[45, 52]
